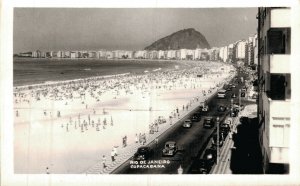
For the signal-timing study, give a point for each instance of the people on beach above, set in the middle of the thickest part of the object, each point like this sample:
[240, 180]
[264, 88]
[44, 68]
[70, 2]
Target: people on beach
[88, 92]
[104, 161]
[112, 154]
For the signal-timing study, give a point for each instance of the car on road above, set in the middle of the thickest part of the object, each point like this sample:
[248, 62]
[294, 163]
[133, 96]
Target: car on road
[244, 89]
[215, 140]
[234, 113]
[204, 107]
[200, 166]
[237, 107]
[228, 88]
[170, 148]
[187, 123]
[243, 94]
[196, 117]
[143, 153]
[221, 93]
[221, 108]
[233, 95]
[225, 127]
[224, 130]
[210, 155]
[208, 122]
[228, 121]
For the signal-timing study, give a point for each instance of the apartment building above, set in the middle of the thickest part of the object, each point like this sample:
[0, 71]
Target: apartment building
[274, 105]
[240, 51]
[231, 52]
[255, 49]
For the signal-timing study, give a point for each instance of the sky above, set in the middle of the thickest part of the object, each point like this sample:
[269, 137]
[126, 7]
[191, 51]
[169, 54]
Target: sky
[124, 28]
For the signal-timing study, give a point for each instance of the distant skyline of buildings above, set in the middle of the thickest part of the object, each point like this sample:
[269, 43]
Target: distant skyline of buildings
[242, 51]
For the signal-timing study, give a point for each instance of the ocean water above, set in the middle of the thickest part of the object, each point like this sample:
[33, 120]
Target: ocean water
[28, 71]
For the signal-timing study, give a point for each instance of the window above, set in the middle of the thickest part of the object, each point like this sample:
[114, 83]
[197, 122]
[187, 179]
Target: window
[279, 40]
[280, 87]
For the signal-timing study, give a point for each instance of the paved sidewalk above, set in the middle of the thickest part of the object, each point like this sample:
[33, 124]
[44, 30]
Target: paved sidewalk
[223, 166]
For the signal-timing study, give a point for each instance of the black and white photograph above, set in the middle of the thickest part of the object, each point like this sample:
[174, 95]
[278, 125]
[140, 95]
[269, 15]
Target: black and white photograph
[150, 91]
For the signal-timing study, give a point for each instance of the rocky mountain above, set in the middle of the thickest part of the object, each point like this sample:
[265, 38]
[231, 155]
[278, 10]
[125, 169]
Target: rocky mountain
[186, 38]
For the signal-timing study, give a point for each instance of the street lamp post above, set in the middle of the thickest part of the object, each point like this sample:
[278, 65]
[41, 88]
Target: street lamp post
[218, 154]
[239, 100]
[231, 114]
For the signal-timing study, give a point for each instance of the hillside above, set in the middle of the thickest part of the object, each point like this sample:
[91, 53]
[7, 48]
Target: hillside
[187, 38]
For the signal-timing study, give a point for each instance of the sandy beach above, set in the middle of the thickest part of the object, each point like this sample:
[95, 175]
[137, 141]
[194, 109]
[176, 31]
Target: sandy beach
[69, 126]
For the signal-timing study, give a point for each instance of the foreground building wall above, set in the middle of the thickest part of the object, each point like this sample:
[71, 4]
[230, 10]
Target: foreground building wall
[274, 40]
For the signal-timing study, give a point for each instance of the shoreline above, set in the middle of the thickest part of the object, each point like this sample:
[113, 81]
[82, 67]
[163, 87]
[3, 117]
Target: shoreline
[61, 82]
[58, 83]
[115, 59]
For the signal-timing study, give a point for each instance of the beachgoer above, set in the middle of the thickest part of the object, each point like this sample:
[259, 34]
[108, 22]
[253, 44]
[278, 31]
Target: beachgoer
[115, 150]
[112, 154]
[136, 138]
[104, 162]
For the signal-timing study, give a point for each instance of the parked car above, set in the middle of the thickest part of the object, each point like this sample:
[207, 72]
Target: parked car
[244, 89]
[196, 117]
[200, 166]
[225, 127]
[210, 155]
[229, 88]
[221, 108]
[233, 113]
[208, 122]
[143, 153]
[233, 95]
[170, 148]
[187, 124]
[215, 141]
[243, 94]
[228, 121]
[221, 93]
[224, 130]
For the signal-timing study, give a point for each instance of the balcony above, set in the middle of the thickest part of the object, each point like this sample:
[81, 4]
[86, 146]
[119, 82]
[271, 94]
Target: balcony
[279, 108]
[280, 18]
[279, 63]
[279, 130]
[279, 155]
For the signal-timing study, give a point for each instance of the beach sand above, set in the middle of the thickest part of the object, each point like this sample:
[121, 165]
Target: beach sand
[64, 146]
